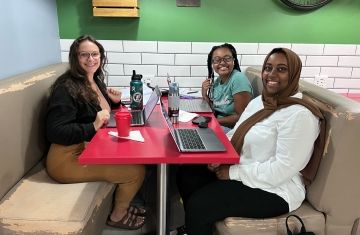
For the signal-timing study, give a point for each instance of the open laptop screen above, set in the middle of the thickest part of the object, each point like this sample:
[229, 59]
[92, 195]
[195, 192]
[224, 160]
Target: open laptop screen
[150, 105]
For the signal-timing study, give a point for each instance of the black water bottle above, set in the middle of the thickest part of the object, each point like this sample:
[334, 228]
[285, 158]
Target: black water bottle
[136, 92]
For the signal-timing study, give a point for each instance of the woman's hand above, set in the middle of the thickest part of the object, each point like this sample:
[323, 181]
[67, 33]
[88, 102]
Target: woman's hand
[102, 118]
[114, 95]
[204, 89]
[222, 172]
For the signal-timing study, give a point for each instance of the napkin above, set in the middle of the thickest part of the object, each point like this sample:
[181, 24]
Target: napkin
[134, 135]
[186, 116]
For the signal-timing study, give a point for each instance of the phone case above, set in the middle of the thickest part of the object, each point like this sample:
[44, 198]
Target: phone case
[199, 119]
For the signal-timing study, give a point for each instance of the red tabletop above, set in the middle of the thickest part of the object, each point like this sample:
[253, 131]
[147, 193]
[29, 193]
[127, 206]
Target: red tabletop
[159, 147]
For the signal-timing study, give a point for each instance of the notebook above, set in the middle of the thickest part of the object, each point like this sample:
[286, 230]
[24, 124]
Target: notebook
[193, 139]
[139, 117]
[195, 106]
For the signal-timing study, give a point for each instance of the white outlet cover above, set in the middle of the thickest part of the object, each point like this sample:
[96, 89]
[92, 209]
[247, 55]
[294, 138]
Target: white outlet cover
[148, 78]
[320, 80]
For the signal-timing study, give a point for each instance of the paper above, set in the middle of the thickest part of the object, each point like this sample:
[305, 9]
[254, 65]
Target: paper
[186, 116]
[134, 135]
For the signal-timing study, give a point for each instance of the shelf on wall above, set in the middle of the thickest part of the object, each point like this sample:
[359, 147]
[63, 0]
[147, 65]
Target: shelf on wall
[116, 8]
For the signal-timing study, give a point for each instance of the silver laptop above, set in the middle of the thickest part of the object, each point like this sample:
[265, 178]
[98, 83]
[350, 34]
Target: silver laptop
[195, 106]
[139, 117]
[193, 139]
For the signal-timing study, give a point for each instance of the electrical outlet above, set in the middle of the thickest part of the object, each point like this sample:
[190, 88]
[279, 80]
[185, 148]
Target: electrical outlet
[320, 80]
[147, 79]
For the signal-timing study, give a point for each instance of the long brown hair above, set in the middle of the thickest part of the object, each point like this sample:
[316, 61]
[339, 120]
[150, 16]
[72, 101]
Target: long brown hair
[75, 79]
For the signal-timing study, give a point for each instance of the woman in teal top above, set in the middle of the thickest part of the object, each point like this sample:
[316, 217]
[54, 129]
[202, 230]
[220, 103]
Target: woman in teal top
[231, 91]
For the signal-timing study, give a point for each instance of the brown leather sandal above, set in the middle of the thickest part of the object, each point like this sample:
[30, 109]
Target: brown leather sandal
[129, 221]
[137, 210]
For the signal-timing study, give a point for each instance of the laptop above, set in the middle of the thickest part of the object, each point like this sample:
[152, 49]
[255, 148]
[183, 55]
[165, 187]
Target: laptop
[139, 117]
[195, 106]
[193, 139]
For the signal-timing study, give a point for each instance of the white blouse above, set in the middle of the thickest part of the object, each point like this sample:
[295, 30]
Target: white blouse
[276, 149]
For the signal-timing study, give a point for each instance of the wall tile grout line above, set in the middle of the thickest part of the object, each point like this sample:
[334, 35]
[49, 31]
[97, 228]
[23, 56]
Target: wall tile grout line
[187, 61]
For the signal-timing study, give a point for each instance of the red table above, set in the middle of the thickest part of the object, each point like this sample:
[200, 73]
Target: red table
[158, 148]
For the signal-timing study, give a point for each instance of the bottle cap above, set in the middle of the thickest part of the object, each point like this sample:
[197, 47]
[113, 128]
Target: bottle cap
[174, 88]
[136, 76]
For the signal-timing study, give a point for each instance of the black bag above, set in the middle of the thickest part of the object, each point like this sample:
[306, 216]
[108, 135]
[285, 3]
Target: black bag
[302, 230]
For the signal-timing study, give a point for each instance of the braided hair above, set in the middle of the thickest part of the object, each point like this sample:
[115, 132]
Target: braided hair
[233, 53]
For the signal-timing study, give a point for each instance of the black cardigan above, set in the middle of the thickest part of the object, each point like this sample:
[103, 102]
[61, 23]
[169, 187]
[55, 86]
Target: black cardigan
[70, 121]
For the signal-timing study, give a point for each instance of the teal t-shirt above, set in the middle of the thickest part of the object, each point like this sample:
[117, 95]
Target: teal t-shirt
[223, 100]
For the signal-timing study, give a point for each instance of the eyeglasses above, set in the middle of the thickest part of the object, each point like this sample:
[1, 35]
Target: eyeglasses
[86, 55]
[226, 59]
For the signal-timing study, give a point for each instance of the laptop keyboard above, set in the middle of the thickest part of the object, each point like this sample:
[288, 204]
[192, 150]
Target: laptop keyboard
[190, 139]
[194, 105]
[136, 117]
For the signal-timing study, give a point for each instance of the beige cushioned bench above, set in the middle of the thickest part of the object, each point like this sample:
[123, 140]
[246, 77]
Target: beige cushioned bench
[31, 202]
[332, 205]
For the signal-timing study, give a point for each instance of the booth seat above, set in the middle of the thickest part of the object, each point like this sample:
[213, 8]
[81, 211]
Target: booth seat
[332, 204]
[31, 202]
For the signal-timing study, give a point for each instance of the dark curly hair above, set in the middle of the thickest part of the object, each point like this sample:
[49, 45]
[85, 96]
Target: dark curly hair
[75, 79]
[233, 53]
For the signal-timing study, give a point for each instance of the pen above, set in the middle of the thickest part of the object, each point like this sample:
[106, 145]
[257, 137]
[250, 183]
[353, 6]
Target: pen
[186, 97]
[192, 92]
[168, 79]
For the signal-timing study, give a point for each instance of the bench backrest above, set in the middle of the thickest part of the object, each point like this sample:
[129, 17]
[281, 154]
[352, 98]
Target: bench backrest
[22, 139]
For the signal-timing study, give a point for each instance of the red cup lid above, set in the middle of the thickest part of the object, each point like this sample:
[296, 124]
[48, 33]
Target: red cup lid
[122, 114]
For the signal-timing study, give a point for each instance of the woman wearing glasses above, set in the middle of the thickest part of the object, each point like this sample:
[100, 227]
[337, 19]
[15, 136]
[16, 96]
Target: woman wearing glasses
[79, 105]
[278, 155]
[231, 91]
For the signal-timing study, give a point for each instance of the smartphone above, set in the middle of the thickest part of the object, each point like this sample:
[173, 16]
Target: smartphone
[199, 119]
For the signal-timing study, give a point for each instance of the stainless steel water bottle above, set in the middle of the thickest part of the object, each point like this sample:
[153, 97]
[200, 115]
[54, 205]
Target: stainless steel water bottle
[136, 92]
[173, 102]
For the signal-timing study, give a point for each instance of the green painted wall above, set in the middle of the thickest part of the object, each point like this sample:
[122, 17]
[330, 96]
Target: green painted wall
[217, 20]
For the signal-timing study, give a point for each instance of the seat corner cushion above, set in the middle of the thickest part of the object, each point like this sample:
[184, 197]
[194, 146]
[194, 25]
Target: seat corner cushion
[314, 221]
[39, 205]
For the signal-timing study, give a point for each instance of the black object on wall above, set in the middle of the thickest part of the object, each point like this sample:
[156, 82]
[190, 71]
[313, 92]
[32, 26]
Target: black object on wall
[188, 3]
[305, 5]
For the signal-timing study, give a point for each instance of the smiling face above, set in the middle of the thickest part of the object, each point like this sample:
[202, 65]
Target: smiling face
[223, 62]
[275, 75]
[89, 57]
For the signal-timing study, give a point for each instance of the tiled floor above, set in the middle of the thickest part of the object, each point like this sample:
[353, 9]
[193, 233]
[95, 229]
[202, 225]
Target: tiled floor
[148, 193]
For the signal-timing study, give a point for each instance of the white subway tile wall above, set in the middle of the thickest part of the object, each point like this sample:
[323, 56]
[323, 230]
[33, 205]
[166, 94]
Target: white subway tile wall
[158, 59]
[112, 45]
[331, 49]
[308, 49]
[186, 61]
[355, 73]
[139, 46]
[174, 47]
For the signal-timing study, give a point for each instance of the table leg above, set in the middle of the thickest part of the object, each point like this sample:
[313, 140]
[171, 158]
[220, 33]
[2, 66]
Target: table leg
[162, 183]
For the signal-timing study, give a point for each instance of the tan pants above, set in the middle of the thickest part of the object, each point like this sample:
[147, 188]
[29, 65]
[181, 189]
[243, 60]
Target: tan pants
[62, 165]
